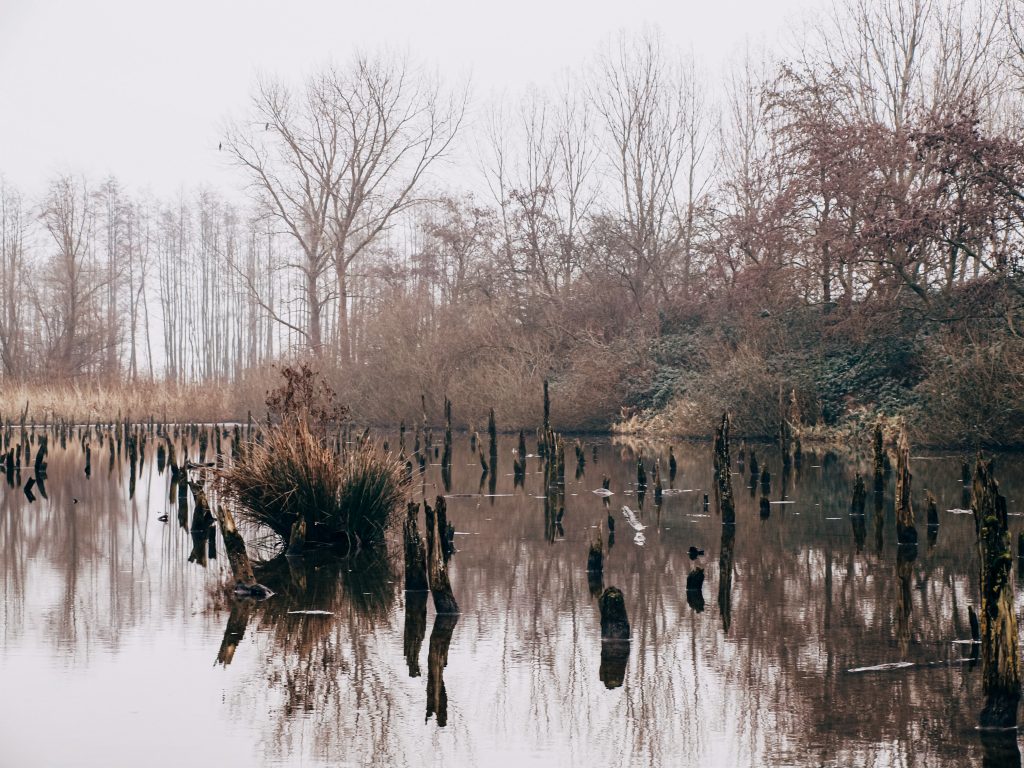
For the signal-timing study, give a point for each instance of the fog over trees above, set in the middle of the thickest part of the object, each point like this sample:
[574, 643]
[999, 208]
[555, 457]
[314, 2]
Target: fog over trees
[842, 218]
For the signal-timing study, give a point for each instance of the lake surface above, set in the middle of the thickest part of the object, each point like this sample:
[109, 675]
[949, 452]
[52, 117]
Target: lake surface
[116, 650]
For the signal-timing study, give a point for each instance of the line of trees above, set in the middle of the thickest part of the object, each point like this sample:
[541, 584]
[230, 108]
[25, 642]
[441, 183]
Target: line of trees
[871, 177]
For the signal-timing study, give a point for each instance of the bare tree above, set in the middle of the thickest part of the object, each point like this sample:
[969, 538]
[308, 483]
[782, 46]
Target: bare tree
[74, 280]
[392, 125]
[645, 98]
[13, 227]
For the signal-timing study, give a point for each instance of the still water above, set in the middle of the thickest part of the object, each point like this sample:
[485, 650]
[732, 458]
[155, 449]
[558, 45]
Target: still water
[115, 650]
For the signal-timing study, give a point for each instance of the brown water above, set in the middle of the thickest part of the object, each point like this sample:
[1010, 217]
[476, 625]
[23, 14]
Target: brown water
[115, 650]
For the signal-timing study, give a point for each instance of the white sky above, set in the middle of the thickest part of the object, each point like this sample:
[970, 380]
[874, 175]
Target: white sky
[141, 89]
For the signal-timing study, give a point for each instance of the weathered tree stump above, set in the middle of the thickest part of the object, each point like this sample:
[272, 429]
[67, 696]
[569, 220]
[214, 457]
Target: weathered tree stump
[437, 569]
[906, 530]
[723, 472]
[297, 539]
[238, 558]
[999, 652]
[415, 552]
[614, 622]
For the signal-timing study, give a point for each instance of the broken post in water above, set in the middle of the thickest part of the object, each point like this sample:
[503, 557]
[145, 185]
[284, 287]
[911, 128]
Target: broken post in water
[906, 530]
[723, 465]
[415, 553]
[614, 637]
[999, 637]
[437, 569]
[238, 558]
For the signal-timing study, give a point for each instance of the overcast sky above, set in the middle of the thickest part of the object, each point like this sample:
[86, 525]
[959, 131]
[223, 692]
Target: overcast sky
[141, 89]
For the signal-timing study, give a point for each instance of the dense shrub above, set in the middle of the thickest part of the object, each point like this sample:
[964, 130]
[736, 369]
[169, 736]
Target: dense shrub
[347, 498]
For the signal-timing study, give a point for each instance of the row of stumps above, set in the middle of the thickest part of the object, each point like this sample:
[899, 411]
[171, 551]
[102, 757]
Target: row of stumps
[995, 629]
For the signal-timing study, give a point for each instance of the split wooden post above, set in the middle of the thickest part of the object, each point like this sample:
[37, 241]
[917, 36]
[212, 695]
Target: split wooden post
[440, 587]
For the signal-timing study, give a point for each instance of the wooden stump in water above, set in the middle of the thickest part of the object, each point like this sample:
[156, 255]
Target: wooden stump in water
[415, 552]
[238, 558]
[999, 651]
[723, 472]
[614, 623]
[614, 637]
[297, 539]
[906, 530]
[437, 570]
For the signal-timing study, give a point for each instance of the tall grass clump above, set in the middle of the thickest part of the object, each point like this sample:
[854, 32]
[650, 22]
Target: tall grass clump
[346, 498]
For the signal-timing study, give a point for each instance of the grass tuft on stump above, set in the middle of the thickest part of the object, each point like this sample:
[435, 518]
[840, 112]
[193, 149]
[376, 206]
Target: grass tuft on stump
[348, 499]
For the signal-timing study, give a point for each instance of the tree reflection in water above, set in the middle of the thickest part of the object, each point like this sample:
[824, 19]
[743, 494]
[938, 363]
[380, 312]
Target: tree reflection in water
[801, 598]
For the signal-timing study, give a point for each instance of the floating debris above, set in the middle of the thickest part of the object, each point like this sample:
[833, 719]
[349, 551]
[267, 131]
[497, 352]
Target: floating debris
[883, 667]
[311, 613]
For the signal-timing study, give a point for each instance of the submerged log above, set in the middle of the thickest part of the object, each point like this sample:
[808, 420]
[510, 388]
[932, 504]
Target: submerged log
[238, 558]
[999, 641]
[437, 569]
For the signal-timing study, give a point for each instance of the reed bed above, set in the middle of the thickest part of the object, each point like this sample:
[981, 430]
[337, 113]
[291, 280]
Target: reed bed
[347, 498]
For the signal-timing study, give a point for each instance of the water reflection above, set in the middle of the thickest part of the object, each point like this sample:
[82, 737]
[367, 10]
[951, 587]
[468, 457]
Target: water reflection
[332, 668]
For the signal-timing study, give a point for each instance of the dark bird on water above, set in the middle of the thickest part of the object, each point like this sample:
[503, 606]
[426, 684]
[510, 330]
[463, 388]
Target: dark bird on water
[74, 501]
[220, 145]
[695, 553]
[162, 518]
